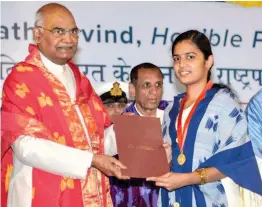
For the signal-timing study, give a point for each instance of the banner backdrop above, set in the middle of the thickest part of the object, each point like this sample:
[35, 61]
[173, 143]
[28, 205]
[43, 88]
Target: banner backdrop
[119, 35]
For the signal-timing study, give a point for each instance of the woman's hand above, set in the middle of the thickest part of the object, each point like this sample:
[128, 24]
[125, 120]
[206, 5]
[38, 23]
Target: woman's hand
[171, 180]
[168, 150]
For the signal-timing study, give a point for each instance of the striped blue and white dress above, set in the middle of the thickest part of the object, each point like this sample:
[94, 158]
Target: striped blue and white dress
[216, 137]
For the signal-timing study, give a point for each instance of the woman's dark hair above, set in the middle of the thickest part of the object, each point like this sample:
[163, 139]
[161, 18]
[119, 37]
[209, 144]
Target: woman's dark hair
[203, 44]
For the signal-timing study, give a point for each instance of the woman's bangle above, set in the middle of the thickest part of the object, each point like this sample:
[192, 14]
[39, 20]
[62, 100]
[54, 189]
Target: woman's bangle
[203, 175]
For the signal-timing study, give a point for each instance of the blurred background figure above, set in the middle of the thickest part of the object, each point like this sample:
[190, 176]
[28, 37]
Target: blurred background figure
[114, 96]
[254, 118]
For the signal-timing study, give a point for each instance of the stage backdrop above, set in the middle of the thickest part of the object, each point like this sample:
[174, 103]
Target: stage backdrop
[119, 35]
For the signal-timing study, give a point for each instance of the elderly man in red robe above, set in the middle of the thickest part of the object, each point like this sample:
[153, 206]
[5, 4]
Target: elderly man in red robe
[53, 124]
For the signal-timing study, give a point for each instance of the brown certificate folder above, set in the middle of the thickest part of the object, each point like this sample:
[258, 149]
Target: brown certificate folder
[139, 143]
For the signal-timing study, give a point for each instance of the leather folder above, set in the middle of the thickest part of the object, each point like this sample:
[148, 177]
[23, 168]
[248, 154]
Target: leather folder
[139, 143]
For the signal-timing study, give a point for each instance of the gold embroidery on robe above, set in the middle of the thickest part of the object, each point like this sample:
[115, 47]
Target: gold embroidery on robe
[21, 90]
[59, 139]
[24, 68]
[30, 110]
[97, 106]
[8, 176]
[66, 183]
[44, 100]
[33, 193]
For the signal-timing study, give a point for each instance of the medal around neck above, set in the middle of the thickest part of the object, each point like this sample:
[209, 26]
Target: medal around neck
[181, 159]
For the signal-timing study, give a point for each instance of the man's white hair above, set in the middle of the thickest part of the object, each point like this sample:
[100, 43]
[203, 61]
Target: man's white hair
[39, 19]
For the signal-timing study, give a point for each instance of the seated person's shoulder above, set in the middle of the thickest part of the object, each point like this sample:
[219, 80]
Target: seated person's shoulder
[256, 100]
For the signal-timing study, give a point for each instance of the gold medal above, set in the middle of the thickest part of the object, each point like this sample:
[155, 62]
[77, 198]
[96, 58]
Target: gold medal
[181, 159]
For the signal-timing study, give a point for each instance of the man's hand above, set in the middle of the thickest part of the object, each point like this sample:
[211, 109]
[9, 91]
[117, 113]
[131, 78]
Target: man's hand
[109, 166]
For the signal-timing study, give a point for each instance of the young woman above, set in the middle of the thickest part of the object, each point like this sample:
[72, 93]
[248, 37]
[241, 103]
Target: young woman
[207, 131]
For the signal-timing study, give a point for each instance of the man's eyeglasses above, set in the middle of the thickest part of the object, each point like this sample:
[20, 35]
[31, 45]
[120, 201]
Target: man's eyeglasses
[59, 32]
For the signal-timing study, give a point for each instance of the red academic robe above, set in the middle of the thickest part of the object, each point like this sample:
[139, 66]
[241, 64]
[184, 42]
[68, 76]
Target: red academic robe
[35, 103]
